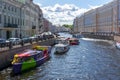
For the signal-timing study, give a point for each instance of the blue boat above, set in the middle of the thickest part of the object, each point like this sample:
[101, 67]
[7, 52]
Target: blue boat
[29, 59]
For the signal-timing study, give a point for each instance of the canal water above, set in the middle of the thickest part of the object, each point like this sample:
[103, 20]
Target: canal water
[92, 59]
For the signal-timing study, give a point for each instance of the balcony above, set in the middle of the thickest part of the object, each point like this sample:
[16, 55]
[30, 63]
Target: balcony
[8, 25]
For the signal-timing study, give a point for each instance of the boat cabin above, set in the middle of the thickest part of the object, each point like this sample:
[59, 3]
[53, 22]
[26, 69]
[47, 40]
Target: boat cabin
[26, 56]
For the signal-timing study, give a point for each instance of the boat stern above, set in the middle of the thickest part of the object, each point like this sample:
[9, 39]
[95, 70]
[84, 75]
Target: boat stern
[16, 69]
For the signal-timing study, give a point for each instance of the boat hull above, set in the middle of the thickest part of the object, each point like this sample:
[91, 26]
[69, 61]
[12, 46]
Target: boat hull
[60, 52]
[118, 45]
[61, 49]
[74, 43]
[25, 66]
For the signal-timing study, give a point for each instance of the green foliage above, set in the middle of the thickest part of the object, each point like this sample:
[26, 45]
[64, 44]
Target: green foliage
[68, 26]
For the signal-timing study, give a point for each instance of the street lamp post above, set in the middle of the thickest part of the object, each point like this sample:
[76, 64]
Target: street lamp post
[20, 21]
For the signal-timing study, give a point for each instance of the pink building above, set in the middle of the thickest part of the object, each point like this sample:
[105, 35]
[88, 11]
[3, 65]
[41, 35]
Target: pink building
[46, 25]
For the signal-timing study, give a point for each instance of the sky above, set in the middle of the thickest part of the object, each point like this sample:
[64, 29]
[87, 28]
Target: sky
[64, 11]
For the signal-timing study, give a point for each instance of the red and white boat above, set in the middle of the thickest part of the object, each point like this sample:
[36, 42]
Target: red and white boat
[73, 41]
[117, 44]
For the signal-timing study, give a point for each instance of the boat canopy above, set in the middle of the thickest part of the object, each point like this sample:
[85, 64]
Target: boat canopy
[60, 45]
[42, 48]
[27, 53]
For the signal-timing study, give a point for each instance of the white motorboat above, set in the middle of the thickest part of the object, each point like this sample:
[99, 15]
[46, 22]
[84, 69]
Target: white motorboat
[62, 46]
[117, 45]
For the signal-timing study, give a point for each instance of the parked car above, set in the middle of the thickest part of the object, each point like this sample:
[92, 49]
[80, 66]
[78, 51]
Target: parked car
[26, 40]
[47, 35]
[39, 37]
[15, 41]
[33, 38]
[2, 42]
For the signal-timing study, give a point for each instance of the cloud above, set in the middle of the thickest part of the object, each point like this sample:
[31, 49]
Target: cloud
[62, 14]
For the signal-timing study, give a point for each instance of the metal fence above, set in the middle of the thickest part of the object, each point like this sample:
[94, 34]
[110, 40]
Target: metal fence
[10, 45]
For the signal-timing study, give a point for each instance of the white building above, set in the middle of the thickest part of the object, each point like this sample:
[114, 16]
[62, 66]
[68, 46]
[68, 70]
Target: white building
[33, 19]
[10, 18]
[19, 18]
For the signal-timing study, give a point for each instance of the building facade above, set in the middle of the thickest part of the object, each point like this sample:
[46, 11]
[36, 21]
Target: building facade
[48, 26]
[102, 19]
[19, 18]
[45, 24]
[33, 19]
[9, 18]
[75, 26]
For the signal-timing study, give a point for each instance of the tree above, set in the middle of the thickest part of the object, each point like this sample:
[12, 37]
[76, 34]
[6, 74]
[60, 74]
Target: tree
[68, 26]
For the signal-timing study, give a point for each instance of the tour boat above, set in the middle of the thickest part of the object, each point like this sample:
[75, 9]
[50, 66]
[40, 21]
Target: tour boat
[42, 48]
[62, 46]
[29, 59]
[118, 45]
[73, 41]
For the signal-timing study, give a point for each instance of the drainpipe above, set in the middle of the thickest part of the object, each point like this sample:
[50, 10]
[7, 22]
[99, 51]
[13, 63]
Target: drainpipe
[118, 16]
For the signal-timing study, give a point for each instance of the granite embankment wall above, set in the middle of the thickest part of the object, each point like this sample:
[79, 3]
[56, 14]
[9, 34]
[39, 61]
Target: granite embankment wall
[106, 36]
[7, 55]
[117, 38]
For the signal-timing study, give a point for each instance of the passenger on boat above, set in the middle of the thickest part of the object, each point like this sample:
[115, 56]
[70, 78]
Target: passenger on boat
[45, 52]
[34, 49]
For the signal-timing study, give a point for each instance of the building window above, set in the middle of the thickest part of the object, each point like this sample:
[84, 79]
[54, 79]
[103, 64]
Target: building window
[4, 18]
[15, 9]
[12, 20]
[12, 8]
[23, 22]
[0, 18]
[15, 20]
[4, 6]
[18, 21]
[9, 8]
[1, 5]
[8, 19]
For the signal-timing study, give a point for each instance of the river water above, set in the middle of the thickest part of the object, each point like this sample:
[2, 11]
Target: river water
[92, 59]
